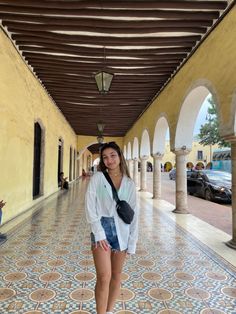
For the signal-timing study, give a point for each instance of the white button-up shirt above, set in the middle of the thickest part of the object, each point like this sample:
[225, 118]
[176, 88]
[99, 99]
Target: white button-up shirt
[99, 202]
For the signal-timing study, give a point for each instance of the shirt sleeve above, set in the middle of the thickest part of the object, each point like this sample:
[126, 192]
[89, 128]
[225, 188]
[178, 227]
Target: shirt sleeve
[92, 215]
[133, 236]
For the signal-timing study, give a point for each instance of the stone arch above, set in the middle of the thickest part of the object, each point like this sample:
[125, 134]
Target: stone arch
[135, 148]
[189, 112]
[145, 149]
[129, 153]
[159, 138]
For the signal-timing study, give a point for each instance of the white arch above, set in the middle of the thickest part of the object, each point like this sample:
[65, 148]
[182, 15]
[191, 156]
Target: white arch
[135, 148]
[125, 152]
[129, 154]
[145, 144]
[187, 117]
[80, 153]
[96, 161]
[160, 135]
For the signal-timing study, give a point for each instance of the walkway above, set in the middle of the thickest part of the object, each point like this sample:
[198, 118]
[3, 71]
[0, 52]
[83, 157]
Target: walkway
[47, 267]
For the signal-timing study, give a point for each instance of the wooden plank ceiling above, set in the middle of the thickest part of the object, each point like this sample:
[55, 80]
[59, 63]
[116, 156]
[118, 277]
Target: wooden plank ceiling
[144, 43]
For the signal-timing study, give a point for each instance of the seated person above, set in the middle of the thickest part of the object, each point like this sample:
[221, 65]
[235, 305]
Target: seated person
[2, 204]
[63, 181]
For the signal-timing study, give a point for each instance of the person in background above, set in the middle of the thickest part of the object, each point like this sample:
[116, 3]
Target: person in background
[64, 183]
[2, 204]
[111, 238]
[84, 173]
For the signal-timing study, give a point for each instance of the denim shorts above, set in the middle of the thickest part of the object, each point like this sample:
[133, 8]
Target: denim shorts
[109, 227]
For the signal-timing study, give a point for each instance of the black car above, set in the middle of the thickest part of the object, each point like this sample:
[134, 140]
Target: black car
[172, 173]
[211, 185]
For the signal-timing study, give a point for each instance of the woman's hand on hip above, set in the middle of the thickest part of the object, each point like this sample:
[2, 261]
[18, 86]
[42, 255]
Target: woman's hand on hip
[103, 244]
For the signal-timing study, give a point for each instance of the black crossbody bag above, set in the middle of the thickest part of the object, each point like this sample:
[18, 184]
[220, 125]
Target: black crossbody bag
[125, 212]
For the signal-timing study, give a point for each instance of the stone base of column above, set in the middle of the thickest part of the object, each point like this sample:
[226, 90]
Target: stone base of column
[142, 190]
[180, 211]
[231, 244]
[156, 197]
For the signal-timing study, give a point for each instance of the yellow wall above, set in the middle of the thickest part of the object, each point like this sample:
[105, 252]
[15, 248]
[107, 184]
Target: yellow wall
[23, 101]
[85, 141]
[212, 65]
[192, 156]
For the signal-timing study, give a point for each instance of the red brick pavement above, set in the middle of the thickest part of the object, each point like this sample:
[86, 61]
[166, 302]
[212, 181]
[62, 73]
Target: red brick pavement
[217, 215]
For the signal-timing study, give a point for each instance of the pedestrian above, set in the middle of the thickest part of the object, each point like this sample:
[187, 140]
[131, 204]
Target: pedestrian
[2, 204]
[112, 239]
[63, 182]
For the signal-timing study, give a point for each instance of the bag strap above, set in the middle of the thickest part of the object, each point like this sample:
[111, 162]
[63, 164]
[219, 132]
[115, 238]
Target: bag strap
[114, 192]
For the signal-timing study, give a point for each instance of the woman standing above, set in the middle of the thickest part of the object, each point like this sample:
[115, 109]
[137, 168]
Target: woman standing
[111, 238]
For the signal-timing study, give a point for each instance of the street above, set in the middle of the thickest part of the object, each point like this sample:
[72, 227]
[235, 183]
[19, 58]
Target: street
[218, 215]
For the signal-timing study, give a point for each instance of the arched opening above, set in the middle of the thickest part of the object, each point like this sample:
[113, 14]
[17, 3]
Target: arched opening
[145, 149]
[60, 160]
[70, 165]
[189, 165]
[135, 148]
[74, 167]
[129, 154]
[167, 166]
[37, 160]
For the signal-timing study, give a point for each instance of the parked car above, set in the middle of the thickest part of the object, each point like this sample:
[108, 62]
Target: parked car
[172, 173]
[211, 185]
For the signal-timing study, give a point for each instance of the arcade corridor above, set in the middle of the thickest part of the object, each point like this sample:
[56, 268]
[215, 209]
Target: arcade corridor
[47, 267]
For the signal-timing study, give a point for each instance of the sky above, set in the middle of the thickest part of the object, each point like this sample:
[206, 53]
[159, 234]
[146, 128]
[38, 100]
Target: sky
[201, 118]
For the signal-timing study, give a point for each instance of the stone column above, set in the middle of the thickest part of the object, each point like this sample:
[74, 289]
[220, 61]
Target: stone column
[130, 166]
[232, 242]
[181, 204]
[157, 175]
[135, 171]
[143, 170]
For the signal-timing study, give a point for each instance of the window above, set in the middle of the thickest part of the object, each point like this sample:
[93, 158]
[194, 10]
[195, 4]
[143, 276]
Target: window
[199, 155]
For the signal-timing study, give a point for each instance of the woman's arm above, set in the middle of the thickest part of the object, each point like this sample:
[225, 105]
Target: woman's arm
[92, 215]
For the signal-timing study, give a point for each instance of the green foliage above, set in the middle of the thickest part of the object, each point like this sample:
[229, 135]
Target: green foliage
[209, 132]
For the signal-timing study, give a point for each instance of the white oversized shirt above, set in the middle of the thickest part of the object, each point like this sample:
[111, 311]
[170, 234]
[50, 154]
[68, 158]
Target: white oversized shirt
[99, 202]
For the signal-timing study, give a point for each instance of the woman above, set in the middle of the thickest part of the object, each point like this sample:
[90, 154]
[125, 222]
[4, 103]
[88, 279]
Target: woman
[112, 239]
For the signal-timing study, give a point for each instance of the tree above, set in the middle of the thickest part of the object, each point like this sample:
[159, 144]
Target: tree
[209, 132]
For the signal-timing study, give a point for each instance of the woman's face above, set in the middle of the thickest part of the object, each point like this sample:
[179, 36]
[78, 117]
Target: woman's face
[111, 158]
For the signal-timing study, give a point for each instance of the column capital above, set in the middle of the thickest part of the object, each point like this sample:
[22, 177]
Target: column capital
[157, 156]
[181, 151]
[144, 157]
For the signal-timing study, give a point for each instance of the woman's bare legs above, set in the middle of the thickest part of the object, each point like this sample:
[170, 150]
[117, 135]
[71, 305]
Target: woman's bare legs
[102, 261]
[117, 262]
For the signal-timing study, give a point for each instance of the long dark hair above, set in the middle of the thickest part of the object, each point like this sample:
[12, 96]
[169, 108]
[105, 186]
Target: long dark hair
[123, 166]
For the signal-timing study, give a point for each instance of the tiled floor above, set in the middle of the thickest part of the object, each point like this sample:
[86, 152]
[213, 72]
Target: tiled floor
[47, 267]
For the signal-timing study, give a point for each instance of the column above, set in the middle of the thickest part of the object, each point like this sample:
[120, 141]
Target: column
[135, 171]
[143, 170]
[181, 204]
[232, 242]
[157, 175]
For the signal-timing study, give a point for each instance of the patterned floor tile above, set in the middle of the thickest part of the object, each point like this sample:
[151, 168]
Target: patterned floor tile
[47, 267]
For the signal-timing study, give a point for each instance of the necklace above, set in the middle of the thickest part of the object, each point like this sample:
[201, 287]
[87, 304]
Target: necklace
[115, 174]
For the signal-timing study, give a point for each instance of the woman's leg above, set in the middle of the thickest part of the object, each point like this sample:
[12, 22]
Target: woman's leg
[117, 262]
[102, 261]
